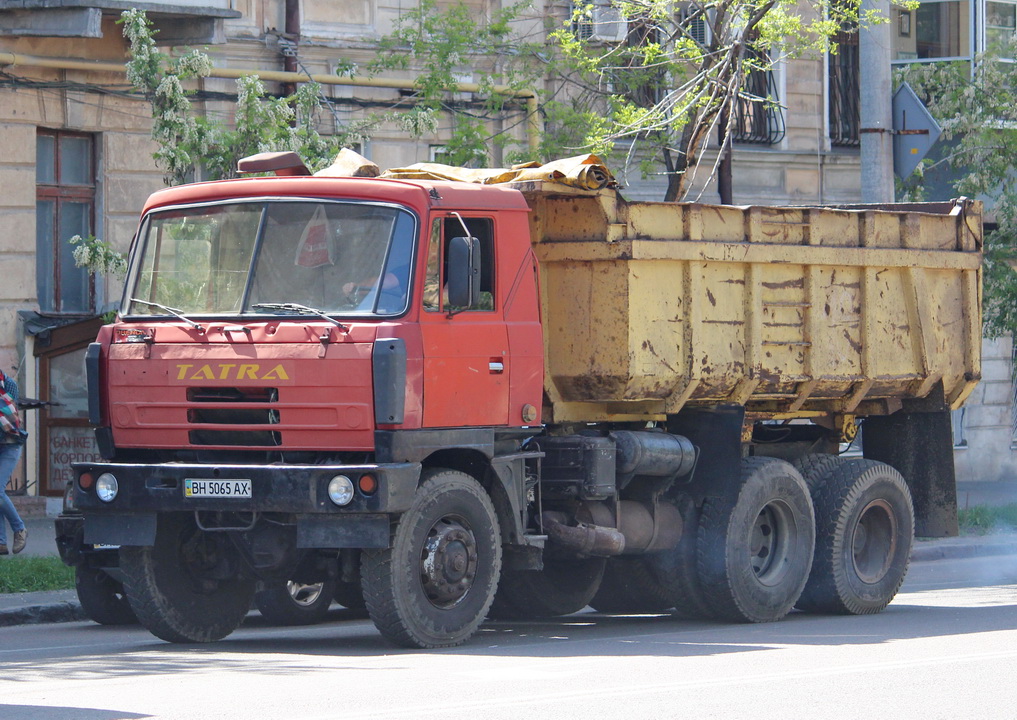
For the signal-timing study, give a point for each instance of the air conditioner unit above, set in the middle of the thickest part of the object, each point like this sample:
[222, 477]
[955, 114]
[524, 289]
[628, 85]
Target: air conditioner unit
[602, 24]
[608, 24]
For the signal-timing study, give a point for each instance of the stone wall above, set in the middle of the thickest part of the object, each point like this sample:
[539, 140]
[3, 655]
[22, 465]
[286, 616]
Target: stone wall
[989, 452]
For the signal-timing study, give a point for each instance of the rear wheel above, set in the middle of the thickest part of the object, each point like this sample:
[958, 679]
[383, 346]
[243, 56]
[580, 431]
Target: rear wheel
[293, 603]
[563, 587]
[754, 548]
[102, 598]
[184, 588]
[677, 570]
[434, 585]
[815, 468]
[630, 586]
[865, 529]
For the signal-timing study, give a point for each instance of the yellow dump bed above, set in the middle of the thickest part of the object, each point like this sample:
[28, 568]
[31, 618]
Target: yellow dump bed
[791, 311]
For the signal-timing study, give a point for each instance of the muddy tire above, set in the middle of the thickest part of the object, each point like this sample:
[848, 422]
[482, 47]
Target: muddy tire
[563, 587]
[173, 586]
[293, 603]
[865, 529]
[815, 468]
[102, 598]
[434, 585]
[630, 586]
[754, 547]
[677, 569]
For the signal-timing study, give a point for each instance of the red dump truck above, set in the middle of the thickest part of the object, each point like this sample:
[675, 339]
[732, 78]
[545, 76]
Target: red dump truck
[469, 400]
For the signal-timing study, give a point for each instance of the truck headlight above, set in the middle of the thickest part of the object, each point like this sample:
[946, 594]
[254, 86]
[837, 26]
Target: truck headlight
[340, 490]
[107, 487]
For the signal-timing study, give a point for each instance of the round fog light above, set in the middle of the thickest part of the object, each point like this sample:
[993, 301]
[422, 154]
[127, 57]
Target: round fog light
[340, 490]
[106, 487]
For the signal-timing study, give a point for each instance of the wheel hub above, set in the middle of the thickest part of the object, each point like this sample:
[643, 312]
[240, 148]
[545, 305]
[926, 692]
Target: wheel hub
[304, 595]
[874, 541]
[770, 549]
[448, 563]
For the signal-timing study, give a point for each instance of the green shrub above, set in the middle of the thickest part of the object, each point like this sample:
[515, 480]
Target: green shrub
[982, 519]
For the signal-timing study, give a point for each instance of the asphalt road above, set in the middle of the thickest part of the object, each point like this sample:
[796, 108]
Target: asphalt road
[946, 648]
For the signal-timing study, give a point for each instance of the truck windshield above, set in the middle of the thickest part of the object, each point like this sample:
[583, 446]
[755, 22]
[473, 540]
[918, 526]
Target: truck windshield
[349, 258]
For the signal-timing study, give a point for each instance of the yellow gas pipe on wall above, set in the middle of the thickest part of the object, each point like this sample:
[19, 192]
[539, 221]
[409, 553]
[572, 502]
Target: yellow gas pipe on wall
[533, 118]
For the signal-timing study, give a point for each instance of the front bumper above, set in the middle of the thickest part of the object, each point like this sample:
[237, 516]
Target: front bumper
[299, 491]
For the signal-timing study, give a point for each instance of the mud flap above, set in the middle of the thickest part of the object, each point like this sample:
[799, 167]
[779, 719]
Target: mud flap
[920, 446]
[717, 432]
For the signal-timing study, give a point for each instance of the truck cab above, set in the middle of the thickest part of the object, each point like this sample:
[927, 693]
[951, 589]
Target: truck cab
[279, 333]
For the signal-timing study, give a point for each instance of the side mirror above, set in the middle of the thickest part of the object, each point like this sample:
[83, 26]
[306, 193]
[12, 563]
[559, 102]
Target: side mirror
[463, 272]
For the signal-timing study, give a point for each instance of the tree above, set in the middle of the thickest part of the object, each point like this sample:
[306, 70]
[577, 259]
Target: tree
[188, 140]
[976, 105]
[681, 68]
[442, 47]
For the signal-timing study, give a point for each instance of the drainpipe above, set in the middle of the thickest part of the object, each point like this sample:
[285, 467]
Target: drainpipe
[292, 43]
[532, 115]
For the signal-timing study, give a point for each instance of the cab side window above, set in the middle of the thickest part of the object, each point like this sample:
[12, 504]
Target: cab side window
[435, 298]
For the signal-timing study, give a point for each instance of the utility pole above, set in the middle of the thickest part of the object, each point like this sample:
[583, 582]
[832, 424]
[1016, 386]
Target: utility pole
[875, 106]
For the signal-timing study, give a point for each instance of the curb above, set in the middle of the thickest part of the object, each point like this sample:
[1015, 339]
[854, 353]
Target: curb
[950, 552]
[37, 614]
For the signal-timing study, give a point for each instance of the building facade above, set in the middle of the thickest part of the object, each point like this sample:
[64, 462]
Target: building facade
[76, 155]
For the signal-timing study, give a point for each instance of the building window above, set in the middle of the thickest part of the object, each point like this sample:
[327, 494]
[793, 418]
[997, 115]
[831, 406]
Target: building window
[65, 435]
[758, 118]
[1000, 23]
[940, 31]
[844, 91]
[65, 207]
[958, 423]
[937, 30]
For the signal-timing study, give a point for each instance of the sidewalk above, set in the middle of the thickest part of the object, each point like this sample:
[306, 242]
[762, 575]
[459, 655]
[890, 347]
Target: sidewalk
[62, 605]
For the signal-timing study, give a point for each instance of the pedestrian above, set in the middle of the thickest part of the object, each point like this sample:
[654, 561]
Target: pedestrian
[12, 438]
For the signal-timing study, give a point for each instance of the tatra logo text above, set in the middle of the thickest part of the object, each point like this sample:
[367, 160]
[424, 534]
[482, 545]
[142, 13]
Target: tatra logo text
[230, 371]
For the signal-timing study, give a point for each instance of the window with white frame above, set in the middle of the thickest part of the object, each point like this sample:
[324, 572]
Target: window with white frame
[1000, 23]
[935, 30]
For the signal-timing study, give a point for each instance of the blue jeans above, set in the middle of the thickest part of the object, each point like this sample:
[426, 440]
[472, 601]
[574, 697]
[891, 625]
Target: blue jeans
[9, 454]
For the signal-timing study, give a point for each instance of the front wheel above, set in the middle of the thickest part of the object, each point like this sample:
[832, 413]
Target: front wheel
[102, 598]
[433, 586]
[185, 587]
[755, 547]
[865, 529]
[293, 603]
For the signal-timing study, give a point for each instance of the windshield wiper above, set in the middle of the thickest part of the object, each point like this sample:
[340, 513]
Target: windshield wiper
[172, 311]
[302, 309]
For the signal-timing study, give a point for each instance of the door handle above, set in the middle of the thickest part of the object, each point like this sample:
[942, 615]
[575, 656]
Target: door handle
[496, 366]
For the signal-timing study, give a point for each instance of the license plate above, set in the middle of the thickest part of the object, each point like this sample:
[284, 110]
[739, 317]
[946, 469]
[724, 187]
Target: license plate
[198, 488]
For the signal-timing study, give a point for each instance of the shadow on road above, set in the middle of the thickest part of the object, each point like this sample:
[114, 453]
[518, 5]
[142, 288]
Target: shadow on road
[259, 648]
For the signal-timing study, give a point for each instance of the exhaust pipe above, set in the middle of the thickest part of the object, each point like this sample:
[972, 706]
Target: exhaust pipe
[583, 538]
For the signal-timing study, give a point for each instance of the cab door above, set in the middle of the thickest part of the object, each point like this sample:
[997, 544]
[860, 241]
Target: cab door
[466, 373]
